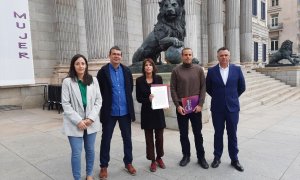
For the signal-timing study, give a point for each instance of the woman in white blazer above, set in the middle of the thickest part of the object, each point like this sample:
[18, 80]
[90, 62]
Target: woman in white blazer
[81, 101]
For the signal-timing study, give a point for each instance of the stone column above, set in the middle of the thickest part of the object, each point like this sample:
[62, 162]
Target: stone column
[81, 29]
[121, 27]
[134, 19]
[150, 10]
[67, 30]
[233, 29]
[215, 29]
[204, 33]
[246, 40]
[99, 27]
[191, 26]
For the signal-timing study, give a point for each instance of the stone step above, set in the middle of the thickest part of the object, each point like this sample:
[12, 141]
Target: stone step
[252, 90]
[259, 81]
[245, 100]
[263, 85]
[249, 78]
[264, 94]
[269, 100]
[274, 96]
[250, 105]
[284, 97]
[270, 92]
[295, 96]
[253, 72]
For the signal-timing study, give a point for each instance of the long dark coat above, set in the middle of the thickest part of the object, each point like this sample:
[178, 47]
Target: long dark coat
[150, 119]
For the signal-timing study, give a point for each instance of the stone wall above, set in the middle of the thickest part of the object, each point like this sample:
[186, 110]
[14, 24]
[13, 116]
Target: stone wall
[30, 96]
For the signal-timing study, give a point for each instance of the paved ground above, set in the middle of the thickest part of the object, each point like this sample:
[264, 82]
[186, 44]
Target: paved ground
[33, 148]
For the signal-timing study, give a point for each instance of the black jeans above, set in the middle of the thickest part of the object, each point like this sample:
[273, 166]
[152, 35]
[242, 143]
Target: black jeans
[107, 132]
[183, 124]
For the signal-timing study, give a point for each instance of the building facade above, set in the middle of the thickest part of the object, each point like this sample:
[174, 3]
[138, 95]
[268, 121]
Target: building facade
[260, 31]
[62, 28]
[283, 24]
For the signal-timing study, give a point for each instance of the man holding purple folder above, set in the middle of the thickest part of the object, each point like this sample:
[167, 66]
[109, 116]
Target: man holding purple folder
[188, 81]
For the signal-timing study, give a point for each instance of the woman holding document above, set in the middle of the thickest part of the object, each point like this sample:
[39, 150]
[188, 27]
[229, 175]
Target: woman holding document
[152, 121]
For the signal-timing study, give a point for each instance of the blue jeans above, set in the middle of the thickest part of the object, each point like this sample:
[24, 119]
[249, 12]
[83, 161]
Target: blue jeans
[107, 132]
[76, 147]
[183, 124]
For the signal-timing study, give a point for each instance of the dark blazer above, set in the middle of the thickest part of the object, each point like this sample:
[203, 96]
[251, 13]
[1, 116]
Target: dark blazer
[225, 96]
[105, 84]
[150, 119]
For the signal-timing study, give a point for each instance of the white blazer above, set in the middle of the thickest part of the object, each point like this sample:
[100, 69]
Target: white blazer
[73, 108]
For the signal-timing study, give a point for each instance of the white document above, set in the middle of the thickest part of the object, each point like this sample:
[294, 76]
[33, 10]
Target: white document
[160, 96]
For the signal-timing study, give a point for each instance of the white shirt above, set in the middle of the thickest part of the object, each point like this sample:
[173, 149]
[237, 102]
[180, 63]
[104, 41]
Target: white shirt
[224, 73]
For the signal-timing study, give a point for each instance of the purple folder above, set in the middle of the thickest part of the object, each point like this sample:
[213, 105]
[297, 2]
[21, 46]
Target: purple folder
[189, 103]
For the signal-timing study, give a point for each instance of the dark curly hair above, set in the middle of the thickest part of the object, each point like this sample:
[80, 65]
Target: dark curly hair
[153, 65]
[87, 78]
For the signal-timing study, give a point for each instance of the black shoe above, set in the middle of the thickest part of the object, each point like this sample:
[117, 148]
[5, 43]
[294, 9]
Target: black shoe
[215, 163]
[184, 161]
[237, 165]
[202, 162]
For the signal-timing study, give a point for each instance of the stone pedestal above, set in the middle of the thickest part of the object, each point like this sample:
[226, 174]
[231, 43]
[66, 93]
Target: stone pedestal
[288, 74]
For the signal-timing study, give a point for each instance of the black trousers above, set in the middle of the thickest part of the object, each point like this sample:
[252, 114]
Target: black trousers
[183, 124]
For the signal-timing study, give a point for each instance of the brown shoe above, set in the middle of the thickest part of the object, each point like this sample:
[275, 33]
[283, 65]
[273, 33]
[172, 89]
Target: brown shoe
[130, 169]
[103, 173]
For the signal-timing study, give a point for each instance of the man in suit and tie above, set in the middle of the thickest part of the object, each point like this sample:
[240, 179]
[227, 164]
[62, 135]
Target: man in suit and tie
[225, 83]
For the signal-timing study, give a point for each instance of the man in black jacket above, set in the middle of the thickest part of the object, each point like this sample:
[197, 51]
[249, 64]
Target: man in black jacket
[116, 86]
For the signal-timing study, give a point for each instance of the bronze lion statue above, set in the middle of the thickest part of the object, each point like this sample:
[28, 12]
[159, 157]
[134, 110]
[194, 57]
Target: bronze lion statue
[285, 52]
[168, 31]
